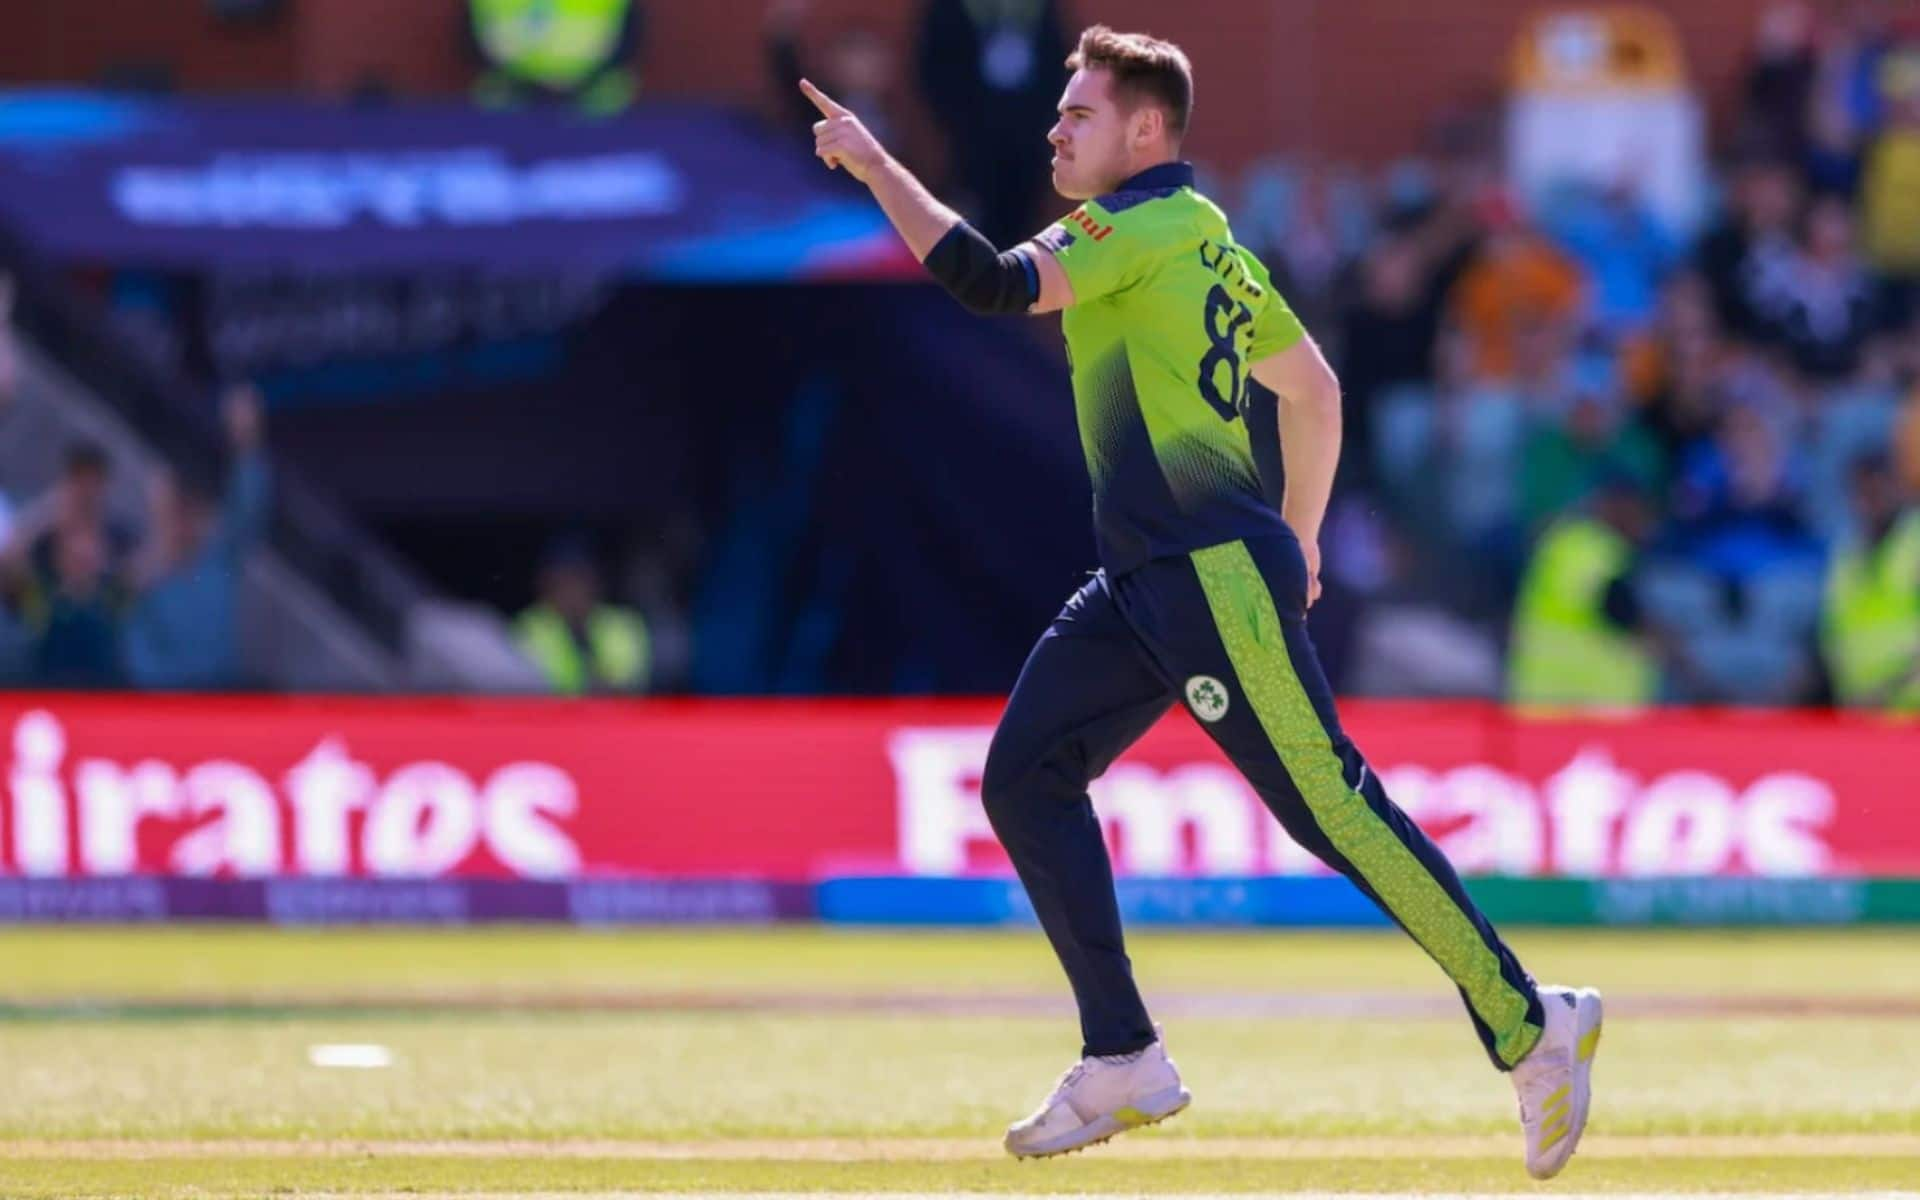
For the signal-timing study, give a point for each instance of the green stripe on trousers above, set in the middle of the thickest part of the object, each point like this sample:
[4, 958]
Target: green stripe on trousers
[1249, 626]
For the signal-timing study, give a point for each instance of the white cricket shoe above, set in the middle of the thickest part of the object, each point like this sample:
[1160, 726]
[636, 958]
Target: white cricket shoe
[1098, 1098]
[1555, 1079]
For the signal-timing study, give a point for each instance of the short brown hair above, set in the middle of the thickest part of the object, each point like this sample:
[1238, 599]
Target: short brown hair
[1145, 69]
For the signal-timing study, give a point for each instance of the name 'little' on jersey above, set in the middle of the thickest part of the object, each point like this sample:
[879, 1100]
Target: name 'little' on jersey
[1168, 316]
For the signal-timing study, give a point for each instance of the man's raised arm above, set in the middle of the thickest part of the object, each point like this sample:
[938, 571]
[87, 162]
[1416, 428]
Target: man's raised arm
[978, 275]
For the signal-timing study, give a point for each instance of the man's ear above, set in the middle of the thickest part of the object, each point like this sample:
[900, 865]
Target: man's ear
[1149, 123]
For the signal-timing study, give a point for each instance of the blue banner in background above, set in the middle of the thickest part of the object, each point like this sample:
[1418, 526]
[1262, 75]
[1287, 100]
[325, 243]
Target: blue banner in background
[1300, 902]
[666, 191]
[1316, 901]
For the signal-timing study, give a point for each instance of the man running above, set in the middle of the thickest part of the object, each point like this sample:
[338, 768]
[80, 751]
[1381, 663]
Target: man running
[1202, 593]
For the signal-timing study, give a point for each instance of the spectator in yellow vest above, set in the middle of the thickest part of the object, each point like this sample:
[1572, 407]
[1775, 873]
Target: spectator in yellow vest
[573, 51]
[1870, 633]
[1890, 191]
[582, 645]
[1577, 627]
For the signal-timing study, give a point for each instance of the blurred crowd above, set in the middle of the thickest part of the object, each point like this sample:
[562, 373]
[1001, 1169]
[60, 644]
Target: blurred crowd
[96, 592]
[1626, 463]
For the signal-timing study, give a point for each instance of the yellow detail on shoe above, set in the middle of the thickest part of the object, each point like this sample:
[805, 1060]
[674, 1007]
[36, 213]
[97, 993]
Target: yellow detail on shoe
[1589, 1042]
[1560, 1093]
[1130, 1117]
[1553, 1139]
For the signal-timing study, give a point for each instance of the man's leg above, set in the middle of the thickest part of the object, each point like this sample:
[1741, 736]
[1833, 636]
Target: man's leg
[1086, 693]
[1242, 622]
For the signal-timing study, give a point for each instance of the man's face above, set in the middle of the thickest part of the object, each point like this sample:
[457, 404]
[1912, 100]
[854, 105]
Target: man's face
[195, 525]
[1627, 511]
[1769, 194]
[1876, 496]
[862, 62]
[80, 556]
[86, 490]
[572, 589]
[1830, 231]
[1392, 275]
[1092, 139]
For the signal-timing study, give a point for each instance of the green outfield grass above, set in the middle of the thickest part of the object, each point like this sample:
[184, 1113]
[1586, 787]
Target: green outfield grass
[175, 1063]
[418, 1178]
[677, 1076]
[218, 961]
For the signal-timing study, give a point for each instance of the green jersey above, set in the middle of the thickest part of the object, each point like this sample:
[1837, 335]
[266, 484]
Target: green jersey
[1168, 315]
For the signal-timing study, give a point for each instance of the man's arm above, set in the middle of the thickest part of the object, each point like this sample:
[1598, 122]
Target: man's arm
[1056, 290]
[1309, 441]
[843, 142]
[31, 524]
[986, 280]
[248, 504]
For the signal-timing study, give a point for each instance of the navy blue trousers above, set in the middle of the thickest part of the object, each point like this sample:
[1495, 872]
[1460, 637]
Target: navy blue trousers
[1223, 631]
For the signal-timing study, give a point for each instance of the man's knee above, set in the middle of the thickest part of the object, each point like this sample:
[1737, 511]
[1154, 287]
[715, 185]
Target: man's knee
[1018, 777]
[1000, 782]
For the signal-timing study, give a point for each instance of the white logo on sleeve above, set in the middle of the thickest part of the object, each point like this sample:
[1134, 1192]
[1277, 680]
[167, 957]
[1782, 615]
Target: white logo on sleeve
[1207, 697]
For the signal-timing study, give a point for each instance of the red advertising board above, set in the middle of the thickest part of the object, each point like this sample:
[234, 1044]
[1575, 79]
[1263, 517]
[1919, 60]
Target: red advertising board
[796, 790]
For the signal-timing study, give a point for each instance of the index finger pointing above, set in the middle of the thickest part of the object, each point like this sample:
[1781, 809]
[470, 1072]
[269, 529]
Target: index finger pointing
[825, 103]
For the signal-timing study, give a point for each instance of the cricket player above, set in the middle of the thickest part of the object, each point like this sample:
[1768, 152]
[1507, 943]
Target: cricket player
[1202, 593]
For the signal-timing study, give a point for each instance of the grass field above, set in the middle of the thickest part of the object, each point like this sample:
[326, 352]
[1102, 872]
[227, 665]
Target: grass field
[528, 1063]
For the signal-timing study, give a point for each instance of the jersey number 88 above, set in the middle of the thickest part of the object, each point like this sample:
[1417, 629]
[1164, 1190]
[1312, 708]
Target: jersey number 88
[1224, 319]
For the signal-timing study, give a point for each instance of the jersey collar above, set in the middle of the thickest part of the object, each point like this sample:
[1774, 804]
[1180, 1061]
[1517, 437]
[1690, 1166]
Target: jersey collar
[1161, 175]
